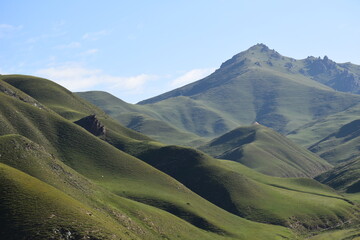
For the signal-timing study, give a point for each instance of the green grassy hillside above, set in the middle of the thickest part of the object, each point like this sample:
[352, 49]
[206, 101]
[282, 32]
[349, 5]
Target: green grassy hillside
[143, 189]
[340, 146]
[314, 131]
[91, 211]
[344, 177]
[353, 233]
[141, 119]
[301, 204]
[266, 151]
[112, 178]
[53, 96]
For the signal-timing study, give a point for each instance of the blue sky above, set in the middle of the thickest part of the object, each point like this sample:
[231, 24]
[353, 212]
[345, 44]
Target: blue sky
[139, 49]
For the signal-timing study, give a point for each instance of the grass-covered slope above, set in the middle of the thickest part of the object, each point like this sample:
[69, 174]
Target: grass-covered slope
[103, 179]
[53, 96]
[111, 182]
[344, 177]
[80, 207]
[266, 151]
[301, 204]
[141, 119]
[314, 131]
[340, 146]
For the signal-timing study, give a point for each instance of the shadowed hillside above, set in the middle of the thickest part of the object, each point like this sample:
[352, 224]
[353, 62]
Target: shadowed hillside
[344, 177]
[340, 146]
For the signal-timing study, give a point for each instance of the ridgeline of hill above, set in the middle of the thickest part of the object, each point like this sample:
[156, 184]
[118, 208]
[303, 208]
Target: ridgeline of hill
[266, 151]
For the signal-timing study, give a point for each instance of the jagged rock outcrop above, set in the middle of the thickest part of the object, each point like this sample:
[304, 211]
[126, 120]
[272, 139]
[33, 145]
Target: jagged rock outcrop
[92, 124]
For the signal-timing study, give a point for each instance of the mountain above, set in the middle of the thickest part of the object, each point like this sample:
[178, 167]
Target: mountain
[340, 146]
[97, 179]
[266, 151]
[258, 84]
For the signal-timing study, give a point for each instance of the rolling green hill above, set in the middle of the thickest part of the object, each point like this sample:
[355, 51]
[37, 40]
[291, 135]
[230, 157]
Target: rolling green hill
[54, 96]
[340, 146]
[300, 204]
[94, 178]
[120, 188]
[70, 165]
[258, 84]
[266, 151]
[141, 119]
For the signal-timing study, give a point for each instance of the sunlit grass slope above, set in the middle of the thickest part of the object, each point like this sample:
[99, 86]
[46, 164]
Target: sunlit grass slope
[114, 178]
[53, 96]
[266, 151]
[297, 203]
[315, 131]
[210, 178]
[103, 215]
[141, 119]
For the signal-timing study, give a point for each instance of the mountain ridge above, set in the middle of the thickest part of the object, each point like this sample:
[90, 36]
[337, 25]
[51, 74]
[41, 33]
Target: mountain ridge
[258, 84]
[266, 151]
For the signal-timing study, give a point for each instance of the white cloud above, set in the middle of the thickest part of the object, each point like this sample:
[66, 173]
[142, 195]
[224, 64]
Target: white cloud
[78, 78]
[69, 45]
[191, 76]
[90, 52]
[6, 26]
[95, 35]
[7, 29]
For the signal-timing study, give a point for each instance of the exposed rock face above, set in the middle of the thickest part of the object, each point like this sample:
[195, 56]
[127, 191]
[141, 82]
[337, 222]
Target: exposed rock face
[92, 124]
[341, 77]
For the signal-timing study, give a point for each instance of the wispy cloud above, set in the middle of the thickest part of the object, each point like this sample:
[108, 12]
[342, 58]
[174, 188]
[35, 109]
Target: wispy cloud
[55, 31]
[95, 35]
[191, 76]
[7, 29]
[69, 45]
[78, 78]
[90, 52]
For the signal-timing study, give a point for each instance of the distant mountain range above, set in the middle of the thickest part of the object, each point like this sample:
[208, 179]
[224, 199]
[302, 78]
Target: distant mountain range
[258, 84]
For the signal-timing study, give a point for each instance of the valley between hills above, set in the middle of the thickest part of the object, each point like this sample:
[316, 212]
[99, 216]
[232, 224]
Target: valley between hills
[266, 147]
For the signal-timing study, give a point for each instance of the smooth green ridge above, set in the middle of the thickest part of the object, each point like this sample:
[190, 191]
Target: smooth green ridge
[266, 151]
